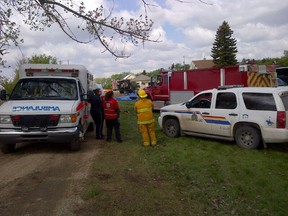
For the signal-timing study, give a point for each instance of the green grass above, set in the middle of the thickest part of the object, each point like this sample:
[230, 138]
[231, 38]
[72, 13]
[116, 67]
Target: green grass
[185, 176]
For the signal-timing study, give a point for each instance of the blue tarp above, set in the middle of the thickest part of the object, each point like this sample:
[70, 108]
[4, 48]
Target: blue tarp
[128, 97]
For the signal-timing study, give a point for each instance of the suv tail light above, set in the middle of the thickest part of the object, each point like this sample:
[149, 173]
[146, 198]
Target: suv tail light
[281, 119]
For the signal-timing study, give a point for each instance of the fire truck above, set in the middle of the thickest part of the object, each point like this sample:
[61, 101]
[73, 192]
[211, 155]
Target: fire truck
[171, 87]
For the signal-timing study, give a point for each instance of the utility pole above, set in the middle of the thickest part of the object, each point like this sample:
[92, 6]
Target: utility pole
[183, 62]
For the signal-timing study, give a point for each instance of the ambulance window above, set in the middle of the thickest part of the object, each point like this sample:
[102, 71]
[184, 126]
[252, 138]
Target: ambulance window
[44, 89]
[81, 89]
[226, 100]
[259, 101]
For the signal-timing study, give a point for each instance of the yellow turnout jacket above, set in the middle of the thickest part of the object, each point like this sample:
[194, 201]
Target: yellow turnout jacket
[144, 109]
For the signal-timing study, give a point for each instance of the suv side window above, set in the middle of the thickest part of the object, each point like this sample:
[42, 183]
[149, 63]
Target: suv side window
[226, 100]
[201, 101]
[259, 101]
[284, 98]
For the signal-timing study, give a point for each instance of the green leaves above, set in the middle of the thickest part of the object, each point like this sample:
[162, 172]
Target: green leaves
[97, 23]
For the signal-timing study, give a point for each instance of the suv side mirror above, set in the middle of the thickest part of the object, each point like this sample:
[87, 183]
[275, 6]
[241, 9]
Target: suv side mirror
[3, 94]
[188, 104]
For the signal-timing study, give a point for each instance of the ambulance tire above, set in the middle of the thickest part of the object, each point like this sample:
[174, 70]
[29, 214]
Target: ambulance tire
[172, 128]
[248, 137]
[75, 145]
[8, 148]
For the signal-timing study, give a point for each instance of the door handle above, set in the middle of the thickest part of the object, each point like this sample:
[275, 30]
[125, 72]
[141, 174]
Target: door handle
[206, 113]
[233, 114]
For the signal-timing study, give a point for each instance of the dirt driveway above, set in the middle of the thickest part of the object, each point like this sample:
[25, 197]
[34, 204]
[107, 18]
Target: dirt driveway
[44, 179]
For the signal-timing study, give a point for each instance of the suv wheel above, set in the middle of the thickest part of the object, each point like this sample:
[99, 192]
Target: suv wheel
[248, 137]
[172, 128]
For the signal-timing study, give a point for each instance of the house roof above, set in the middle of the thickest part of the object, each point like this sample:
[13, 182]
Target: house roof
[129, 76]
[141, 77]
[199, 64]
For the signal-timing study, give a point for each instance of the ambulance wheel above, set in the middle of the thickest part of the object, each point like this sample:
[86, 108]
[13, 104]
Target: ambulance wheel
[171, 127]
[75, 145]
[8, 148]
[248, 137]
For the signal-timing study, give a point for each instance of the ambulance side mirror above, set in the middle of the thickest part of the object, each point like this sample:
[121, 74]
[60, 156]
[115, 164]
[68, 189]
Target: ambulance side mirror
[83, 96]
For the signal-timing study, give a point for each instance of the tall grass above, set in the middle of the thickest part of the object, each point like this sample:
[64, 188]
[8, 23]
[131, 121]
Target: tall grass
[185, 176]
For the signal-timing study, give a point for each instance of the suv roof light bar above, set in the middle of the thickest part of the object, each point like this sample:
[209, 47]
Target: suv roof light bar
[229, 87]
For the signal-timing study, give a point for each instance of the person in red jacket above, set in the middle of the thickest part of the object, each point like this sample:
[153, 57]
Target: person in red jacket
[111, 115]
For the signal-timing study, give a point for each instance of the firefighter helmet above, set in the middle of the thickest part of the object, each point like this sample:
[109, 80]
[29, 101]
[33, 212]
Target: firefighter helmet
[142, 93]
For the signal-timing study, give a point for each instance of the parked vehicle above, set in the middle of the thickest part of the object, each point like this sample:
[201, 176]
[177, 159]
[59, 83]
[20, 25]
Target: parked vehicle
[171, 87]
[125, 86]
[282, 73]
[250, 116]
[47, 104]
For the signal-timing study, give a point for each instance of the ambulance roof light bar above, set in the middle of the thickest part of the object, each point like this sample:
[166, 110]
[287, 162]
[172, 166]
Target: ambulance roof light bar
[49, 72]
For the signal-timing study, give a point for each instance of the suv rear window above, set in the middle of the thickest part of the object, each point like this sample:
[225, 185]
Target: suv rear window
[259, 101]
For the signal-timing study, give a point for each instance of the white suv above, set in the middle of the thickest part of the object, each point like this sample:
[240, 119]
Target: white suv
[250, 116]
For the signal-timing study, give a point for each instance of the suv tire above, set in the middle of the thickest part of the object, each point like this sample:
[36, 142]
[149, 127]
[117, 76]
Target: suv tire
[172, 127]
[248, 137]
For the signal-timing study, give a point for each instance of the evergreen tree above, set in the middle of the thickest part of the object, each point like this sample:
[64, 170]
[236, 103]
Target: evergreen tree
[224, 47]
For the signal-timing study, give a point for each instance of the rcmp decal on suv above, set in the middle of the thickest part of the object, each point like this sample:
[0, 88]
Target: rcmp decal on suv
[269, 122]
[208, 119]
[216, 120]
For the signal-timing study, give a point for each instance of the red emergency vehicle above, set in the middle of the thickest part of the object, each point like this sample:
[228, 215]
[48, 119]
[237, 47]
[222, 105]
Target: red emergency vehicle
[171, 87]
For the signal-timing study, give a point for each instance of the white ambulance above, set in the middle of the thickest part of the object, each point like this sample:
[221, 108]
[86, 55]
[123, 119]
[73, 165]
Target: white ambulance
[47, 104]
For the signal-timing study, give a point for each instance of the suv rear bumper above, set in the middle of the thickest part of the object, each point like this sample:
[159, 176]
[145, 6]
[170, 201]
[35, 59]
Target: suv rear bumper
[60, 135]
[275, 135]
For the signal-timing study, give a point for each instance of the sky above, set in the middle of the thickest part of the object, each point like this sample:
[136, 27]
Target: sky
[186, 32]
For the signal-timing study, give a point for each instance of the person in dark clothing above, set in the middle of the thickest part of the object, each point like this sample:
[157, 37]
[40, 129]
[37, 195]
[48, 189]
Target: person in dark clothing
[111, 112]
[97, 112]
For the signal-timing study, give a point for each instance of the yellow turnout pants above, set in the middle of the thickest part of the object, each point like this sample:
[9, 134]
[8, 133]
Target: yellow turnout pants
[148, 134]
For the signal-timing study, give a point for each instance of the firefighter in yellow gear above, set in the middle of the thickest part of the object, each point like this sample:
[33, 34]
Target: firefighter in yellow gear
[145, 118]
